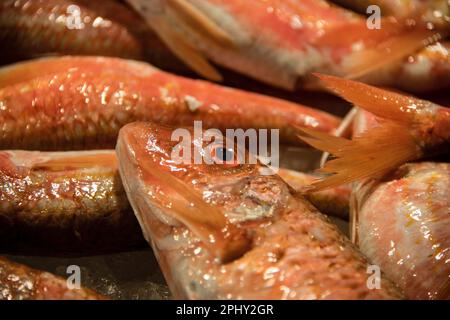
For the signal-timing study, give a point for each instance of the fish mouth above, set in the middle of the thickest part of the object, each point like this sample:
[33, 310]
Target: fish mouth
[156, 185]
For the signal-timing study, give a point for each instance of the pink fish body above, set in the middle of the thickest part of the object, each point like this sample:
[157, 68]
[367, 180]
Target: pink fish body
[64, 202]
[283, 42]
[19, 282]
[82, 102]
[228, 232]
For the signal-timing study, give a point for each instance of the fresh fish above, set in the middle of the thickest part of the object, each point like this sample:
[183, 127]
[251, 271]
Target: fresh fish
[64, 202]
[425, 71]
[429, 68]
[30, 28]
[420, 129]
[230, 231]
[18, 282]
[432, 10]
[283, 42]
[74, 201]
[402, 223]
[87, 100]
[400, 213]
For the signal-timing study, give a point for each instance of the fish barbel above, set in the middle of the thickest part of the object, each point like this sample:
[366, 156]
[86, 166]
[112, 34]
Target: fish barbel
[230, 231]
[64, 201]
[19, 282]
[281, 42]
[87, 100]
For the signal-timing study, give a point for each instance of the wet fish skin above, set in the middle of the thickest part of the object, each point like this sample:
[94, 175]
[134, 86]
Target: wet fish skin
[425, 71]
[85, 207]
[296, 253]
[402, 226]
[399, 207]
[42, 27]
[86, 102]
[334, 202]
[401, 223]
[431, 11]
[31, 28]
[283, 42]
[50, 203]
[19, 282]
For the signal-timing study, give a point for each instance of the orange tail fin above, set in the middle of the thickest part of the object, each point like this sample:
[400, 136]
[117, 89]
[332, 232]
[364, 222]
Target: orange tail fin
[186, 52]
[367, 156]
[380, 102]
[189, 18]
[395, 40]
[200, 22]
[389, 52]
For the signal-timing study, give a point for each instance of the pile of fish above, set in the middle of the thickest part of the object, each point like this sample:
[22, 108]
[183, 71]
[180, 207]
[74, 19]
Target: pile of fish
[80, 78]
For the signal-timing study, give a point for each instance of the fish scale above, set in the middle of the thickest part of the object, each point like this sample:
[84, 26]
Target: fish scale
[414, 252]
[283, 42]
[85, 107]
[18, 282]
[399, 207]
[52, 203]
[33, 26]
[295, 252]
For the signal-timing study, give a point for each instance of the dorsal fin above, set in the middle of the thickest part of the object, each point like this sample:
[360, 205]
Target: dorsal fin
[382, 103]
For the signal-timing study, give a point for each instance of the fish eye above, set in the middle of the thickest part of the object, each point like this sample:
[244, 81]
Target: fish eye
[224, 154]
[226, 161]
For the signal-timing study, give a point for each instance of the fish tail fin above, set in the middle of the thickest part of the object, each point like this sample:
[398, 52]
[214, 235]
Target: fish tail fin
[382, 103]
[393, 40]
[201, 23]
[389, 51]
[180, 14]
[186, 52]
[364, 156]
[344, 129]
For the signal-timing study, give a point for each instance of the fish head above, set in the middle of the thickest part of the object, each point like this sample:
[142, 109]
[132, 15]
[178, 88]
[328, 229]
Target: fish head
[214, 199]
